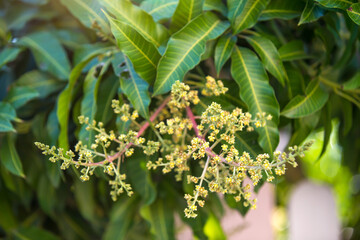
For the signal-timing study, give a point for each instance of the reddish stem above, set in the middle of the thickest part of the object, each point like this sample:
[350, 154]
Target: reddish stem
[141, 131]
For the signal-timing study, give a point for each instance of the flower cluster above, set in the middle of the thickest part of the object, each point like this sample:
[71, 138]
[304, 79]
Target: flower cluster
[209, 140]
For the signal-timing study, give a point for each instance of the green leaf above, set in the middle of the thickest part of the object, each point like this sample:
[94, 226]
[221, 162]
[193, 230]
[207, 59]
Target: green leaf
[88, 105]
[311, 12]
[185, 48]
[48, 52]
[185, 11]
[248, 13]
[247, 142]
[18, 96]
[301, 106]
[159, 9]
[257, 93]
[161, 219]
[296, 81]
[85, 199]
[64, 99]
[280, 9]
[293, 50]
[88, 12]
[216, 5]
[139, 20]
[25, 233]
[213, 229]
[118, 63]
[239, 206]
[9, 156]
[41, 82]
[5, 125]
[354, 12]
[140, 177]
[7, 111]
[223, 51]
[136, 90]
[9, 54]
[341, 4]
[8, 220]
[121, 217]
[353, 83]
[269, 56]
[46, 195]
[142, 53]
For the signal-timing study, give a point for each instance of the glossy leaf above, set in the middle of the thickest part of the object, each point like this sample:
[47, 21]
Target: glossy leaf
[213, 229]
[9, 156]
[118, 63]
[354, 12]
[247, 142]
[293, 50]
[140, 177]
[64, 100]
[185, 11]
[223, 51]
[248, 14]
[311, 12]
[7, 111]
[142, 53]
[279, 9]
[341, 4]
[353, 83]
[41, 82]
[88, 12]
[269, 56]
[18, 96]
[216, 5]
[8, 54]
[185, 48]
[136, 90]
[160, 219]
[142, 22]
[301, 106]
[257, 93]
[159, 9]
[48, 52]
[5, 125]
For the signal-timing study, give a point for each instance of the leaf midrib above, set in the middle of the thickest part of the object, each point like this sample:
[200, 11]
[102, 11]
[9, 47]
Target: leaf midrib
[254, 94]
[187, 52]
[161, 7]
[46, 54]
[93, 12]
[247, 14]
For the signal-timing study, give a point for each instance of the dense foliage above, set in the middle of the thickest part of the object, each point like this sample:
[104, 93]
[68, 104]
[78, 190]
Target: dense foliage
[294, 61]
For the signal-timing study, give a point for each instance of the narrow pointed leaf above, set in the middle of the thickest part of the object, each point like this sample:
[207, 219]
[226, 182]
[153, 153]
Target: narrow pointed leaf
[341, 4]
[235, 7]
[137, 91]
[311, 12]
[248, 16]
[160, 219]
[280, 9]
[216, 5]
[7, 111]
[138, 19]
[8, 54]
[9, 156]
[269, 56]
[185, 48]
[301, 106]
[159, 9]
[88, 12]
[185, 11]
[64, 99]
[142, 53]
[223, 51]
[5, 125]
[293, 50]
[257, 93]
[18, 96]
[354, 12]
[49, 54]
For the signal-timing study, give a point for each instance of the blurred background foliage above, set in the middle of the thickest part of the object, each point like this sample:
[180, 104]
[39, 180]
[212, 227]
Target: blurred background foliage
[44, 43]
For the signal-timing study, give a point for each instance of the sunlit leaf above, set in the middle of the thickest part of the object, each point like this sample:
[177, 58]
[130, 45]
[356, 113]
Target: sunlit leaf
[185, 48]
[216, 5]
[223, 51]
[301, 106]
[341, 4]
[159, 9]
[353, 83]
[185, 11]
[279, 9]
[257, 93]
[354, 12]
[311, 12]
